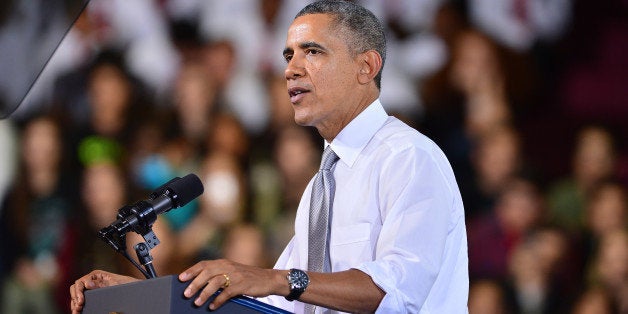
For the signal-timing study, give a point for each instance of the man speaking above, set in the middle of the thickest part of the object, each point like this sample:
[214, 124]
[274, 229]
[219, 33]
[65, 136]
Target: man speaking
[380, 228]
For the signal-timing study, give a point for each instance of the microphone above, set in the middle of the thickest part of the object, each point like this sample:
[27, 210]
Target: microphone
[140, 216]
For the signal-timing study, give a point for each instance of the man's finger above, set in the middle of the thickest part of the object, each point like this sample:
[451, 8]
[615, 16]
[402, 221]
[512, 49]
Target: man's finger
[223, 297]
[198, 283]
[191, 272]
[72, 293]
[76, 301]
[79, 286]
[212, 286]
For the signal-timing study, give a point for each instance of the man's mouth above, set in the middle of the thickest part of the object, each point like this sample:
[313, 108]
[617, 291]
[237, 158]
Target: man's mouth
[296, 94]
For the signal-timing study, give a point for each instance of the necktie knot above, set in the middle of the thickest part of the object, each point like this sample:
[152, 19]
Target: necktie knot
[329, 158]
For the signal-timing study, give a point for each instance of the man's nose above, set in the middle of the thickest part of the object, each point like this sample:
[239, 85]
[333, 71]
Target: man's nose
[294, 69]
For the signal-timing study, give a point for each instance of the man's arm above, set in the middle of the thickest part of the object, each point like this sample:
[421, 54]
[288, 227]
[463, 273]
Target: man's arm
[349, 291]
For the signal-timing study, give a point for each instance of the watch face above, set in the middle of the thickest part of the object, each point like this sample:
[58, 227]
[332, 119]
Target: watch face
[299, 278]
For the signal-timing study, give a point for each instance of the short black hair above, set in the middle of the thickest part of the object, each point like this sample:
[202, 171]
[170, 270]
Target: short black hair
[367, 33]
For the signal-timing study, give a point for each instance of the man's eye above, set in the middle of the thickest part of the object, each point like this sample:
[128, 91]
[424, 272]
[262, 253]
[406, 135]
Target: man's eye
[313, 52]
[287, 58]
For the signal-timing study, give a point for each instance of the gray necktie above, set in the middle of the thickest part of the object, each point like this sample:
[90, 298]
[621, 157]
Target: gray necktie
[320, 205]
[323, 189]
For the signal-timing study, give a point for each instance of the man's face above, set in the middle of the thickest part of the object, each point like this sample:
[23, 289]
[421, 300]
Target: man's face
[321, 73]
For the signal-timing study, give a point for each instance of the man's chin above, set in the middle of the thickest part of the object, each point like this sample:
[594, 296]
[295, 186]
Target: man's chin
[302, 120]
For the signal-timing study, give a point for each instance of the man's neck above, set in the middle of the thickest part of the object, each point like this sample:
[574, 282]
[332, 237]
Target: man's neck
[330, 132]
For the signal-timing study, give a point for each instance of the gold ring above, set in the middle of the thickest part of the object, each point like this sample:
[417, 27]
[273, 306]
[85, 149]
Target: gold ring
[227, 281]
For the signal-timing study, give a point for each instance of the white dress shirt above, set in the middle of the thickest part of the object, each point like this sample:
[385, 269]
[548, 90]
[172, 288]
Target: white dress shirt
[397, 215]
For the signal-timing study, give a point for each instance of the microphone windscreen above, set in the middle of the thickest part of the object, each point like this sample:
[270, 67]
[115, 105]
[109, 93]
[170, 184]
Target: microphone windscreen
[186, 189]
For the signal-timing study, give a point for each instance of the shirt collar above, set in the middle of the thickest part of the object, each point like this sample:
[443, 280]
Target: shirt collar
[353, 138]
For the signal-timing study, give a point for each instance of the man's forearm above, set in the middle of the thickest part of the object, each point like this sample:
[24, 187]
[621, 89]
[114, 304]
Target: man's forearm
[348, 291]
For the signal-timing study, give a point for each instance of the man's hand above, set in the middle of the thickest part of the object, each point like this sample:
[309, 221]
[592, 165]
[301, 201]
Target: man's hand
[235, 279]
[93, 280]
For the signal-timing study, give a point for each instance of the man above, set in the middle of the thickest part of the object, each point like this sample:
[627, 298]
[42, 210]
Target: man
[396, 237]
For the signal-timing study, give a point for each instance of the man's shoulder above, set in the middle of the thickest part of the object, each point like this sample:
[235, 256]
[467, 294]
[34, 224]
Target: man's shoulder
[397, 136]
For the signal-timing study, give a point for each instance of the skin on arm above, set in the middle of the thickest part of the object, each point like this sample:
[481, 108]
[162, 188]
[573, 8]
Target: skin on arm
[349, 291]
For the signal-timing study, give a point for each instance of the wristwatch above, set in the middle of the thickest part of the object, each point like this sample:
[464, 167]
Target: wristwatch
[298, 281]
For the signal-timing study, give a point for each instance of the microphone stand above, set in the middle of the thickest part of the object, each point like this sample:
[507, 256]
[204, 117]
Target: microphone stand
[117, 241]
[142, 250]
[143, 255]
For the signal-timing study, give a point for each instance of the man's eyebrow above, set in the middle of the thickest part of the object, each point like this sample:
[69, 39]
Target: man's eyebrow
[311, 44]
[287, 51]
[304, 45]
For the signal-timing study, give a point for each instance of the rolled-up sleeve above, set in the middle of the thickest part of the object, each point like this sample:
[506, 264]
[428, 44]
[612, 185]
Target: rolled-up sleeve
[416, 203]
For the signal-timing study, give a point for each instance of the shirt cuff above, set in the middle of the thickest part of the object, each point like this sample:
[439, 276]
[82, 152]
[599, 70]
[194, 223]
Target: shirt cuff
[393, 301]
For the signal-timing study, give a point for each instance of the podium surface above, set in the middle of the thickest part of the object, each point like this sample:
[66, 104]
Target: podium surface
[163, 295]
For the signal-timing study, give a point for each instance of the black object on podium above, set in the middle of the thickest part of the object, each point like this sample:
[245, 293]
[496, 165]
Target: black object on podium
[163, 295]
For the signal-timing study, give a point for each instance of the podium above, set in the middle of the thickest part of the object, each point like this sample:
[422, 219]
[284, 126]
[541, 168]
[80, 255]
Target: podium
[163, 295]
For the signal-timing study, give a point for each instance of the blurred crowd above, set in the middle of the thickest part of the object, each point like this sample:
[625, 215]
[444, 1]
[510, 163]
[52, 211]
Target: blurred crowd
[526, 97]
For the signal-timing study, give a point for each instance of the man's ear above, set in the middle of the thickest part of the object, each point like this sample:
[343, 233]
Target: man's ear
[370, 63]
